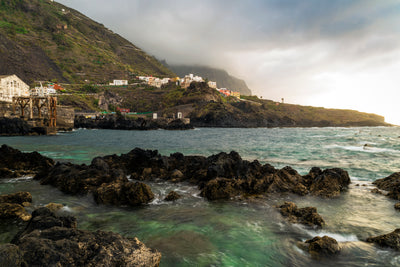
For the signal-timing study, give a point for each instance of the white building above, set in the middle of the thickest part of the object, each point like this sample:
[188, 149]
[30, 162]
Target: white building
[119, 82]
[212, 84]
[10, 86]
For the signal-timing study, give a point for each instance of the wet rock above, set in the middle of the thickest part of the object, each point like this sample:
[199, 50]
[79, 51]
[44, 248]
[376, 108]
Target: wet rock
[307, 216]
[46, 243]
[172, 196]
[376, 191]
[329, 183]
[397, 206]
[391, 240]
[16, 198]
[390, 184]
[323, 246]
[129, 193]
[219, 188]
[12, 160]
[11, 256]
[54, 207]
[80, 179]
[13, 211]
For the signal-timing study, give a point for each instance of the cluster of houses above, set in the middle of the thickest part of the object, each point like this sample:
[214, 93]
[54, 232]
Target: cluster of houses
[12, 86]
[185, 83]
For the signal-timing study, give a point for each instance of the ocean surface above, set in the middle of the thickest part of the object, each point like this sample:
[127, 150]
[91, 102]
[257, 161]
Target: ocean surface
[196, 232]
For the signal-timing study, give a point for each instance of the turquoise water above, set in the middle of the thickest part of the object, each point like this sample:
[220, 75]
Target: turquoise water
[195, 232]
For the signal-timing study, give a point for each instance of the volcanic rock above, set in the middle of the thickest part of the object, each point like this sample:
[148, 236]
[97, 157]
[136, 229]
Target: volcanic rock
[328, 183]
[51, 240]
[390, 184]
[12, 160]
[16, 198]
[172, 196]
[323, 246]
[128, 193]
[391, 240]
[307, 216]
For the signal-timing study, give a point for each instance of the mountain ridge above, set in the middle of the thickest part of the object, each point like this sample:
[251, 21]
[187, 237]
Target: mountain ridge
[45, 40]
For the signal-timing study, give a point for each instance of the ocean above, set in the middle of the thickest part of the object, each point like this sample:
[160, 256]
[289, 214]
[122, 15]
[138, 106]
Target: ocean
[195, 232]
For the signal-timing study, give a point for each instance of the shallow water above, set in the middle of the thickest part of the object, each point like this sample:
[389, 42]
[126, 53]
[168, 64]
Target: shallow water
[195, 232]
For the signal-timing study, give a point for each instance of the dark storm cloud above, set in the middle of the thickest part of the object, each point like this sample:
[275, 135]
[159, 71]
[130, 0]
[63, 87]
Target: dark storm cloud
[282, 48]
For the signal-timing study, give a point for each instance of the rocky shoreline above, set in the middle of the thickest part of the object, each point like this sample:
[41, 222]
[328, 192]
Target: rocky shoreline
[122, 123]
[223, 176]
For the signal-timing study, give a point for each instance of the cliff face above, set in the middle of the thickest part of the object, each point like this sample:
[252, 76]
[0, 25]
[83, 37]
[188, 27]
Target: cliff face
[223, 79]
[44, 40]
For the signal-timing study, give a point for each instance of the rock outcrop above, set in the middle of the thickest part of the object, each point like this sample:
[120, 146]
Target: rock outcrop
[391, 184]
[307, 216]
[12, 206]
[322, 246]
[391, 240]
[14, 163]
[220, 176]
[172, 196]
[51, 240]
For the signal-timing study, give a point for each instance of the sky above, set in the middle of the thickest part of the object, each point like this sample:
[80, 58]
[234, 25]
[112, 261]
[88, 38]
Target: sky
[325, 53]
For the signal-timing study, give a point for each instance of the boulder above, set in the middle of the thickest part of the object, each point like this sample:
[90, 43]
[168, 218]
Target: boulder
[329, 183]
[307, 216]
[397, 206]
[54, 207]
[16, 198]
[14, 160]
[391, 240]
[390, 184]
[172, 196]
[129, 193]
[46, 243]
[220, 188]
[13, 211]
[323, 246]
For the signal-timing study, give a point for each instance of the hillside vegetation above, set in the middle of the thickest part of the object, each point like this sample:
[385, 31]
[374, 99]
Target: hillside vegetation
[206, 107]
[44, 40]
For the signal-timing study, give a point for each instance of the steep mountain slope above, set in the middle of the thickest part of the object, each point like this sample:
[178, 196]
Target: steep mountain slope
[44, 40]
[223, 79]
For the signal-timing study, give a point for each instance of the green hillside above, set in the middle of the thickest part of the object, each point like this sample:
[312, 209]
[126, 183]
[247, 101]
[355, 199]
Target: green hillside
[44, 40]
[223, 79]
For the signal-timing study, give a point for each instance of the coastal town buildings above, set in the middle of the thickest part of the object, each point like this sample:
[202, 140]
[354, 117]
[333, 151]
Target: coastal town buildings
[185, 83]
[119, 82]
[12, 86]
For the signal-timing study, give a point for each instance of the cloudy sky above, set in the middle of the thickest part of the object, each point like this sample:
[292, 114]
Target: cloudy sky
[330, 53]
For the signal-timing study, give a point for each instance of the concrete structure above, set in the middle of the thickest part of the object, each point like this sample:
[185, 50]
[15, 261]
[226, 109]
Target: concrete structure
[12, 86]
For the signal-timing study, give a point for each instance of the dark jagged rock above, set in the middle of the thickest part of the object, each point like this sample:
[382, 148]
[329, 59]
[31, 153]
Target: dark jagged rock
[15, 162]
[80, 179]
[323, 246]
[390, 184]
[307, 216]
[220, 176]
[11, 256]
[328, 183]
[397, 206]
[220, 188]
[51, 240]
[391, 240]
[121, 123]
[129, 193]
[172, 196]
[16, 198]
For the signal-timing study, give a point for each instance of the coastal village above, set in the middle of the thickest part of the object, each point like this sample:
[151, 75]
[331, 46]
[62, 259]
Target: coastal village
[38, 105]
